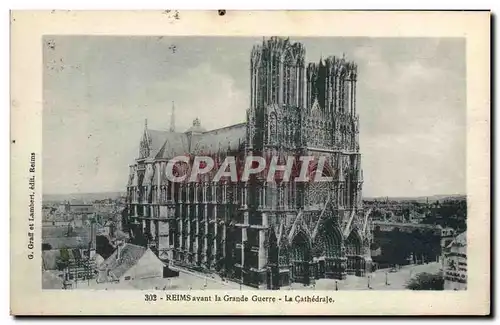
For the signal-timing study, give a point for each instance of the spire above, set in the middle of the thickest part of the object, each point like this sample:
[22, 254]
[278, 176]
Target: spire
[146, 134]
[172, 118]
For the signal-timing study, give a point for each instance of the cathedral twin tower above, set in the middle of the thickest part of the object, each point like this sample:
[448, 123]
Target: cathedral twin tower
[264, 233]
[279, 75]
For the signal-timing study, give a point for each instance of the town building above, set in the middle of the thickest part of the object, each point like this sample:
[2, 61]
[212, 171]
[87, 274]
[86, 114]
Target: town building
[130, 262]
[455, 263]
[76, 208]
[263, 233]
[448, 234]
[47, 212]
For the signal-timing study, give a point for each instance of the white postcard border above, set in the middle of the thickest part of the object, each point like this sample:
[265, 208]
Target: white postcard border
[27, 28]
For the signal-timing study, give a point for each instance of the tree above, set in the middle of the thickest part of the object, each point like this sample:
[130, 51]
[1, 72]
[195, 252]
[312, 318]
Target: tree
[103, 246]
[397, 249]
[450, 213]
[374, 246]
[406, 214]
[377, 214]
[63, 260]
[426, 281]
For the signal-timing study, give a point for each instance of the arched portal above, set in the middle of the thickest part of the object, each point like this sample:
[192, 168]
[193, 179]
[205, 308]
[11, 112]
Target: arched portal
[300, 247]
[333, 240]
[355, 261]
[300, 258]
[330, 242]
[353, 243]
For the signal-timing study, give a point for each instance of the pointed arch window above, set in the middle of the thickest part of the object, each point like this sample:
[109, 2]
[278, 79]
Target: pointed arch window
[331, 239]
[300, 248]
[353, 244]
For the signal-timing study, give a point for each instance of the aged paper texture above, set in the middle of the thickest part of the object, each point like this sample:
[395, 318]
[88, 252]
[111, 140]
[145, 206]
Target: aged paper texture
[267, 163]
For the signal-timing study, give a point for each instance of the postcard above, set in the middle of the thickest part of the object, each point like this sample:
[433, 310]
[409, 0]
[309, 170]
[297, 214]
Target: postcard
[250, 163]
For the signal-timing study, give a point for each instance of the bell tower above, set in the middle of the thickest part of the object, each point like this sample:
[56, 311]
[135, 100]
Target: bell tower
[277, 74]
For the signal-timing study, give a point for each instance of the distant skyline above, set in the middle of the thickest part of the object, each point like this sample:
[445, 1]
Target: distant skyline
[99, 90]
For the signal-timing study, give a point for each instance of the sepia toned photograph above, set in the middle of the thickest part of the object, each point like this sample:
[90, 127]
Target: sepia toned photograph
[287, 169]
[118, 109]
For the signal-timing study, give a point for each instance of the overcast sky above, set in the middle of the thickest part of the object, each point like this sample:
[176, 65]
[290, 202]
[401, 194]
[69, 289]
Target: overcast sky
[98, 91]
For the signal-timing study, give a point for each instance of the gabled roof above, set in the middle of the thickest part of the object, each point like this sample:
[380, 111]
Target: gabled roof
[166, 145]
[62, 231]
[223, 139]
[98, 259]
[49, 259]
[118, 265]
[174, 144]
[67, 242]
[459, 241]
[157, 139]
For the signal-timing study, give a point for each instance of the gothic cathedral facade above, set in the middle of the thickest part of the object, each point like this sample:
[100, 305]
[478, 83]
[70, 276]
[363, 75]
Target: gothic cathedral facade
[264, 233]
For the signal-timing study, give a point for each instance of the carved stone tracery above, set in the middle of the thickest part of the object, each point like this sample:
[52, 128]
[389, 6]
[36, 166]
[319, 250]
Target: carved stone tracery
[295, 109]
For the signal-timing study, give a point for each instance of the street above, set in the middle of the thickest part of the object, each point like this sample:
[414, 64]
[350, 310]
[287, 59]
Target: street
[187, 280]
[376, 280]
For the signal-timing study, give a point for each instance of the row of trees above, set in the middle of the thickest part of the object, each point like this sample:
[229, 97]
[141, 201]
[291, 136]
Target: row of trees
[399, 247]
[426, 281]
[449, 213]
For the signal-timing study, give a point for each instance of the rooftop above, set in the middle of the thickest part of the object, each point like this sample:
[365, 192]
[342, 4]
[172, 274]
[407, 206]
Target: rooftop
[196, 141]
[122, 259]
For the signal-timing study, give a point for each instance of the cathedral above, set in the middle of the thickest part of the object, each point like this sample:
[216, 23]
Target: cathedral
[260, 232]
